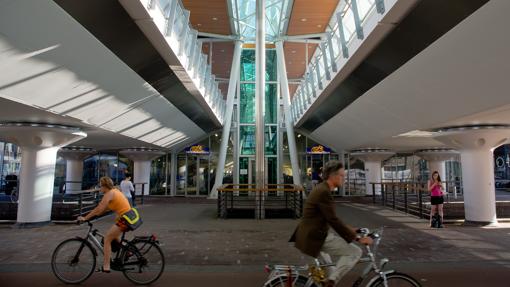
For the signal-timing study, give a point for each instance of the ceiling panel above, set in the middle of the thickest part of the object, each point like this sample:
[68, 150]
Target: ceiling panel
[209, 16]
[310, 17]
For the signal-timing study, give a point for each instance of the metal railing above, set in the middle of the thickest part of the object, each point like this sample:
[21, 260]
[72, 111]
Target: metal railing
[411, 197]
[142, 195]
[245, 200]
[347, 25]
[173, 21]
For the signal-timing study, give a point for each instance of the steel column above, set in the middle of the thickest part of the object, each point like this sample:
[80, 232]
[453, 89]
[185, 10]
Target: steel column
[289, 125]
[260, 84]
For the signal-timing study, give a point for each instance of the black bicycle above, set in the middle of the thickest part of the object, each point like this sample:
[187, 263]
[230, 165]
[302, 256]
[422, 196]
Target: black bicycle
[140, 259]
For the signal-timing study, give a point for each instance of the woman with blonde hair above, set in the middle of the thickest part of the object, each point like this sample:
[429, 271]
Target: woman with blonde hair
[127, 218]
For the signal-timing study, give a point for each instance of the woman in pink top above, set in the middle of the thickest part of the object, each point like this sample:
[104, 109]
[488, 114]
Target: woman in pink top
[436, 196]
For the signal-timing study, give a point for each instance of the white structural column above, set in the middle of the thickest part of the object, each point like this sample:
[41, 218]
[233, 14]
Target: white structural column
[436, 159]
[373, 167]
[74, 157]
[227, 120]
[289, 125]
[476, 146]
[142, 159]
[260, 88]
[39, 144]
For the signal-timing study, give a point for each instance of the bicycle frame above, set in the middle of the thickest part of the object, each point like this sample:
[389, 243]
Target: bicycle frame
[288, 271]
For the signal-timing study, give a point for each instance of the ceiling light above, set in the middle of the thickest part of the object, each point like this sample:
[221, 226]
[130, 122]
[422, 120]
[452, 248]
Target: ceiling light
[199, 24]
[303, 19]
[293, 51]
[215, 19]
[319, 26]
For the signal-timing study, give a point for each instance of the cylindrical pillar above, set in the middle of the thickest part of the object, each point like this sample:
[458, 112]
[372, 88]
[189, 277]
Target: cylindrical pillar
[373, 173]
[74, 157]
[373, 167]
[439, 166]
[476, 145]
[39, 144]
[36, 185]
[142, 159]
[260, 88]
[142, 175]
[74, 175]
[436, 158]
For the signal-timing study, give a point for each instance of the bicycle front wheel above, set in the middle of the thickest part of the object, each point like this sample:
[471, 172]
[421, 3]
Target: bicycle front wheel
[73, 261]
[283, 281]
[396, 279]
[143, 262]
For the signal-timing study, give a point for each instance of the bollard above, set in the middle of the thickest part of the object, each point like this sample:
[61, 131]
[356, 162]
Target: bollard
[373, 192]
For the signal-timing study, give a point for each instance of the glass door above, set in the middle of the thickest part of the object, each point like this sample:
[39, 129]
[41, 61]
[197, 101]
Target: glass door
[203, 175]
[192, 176]
[180, 177]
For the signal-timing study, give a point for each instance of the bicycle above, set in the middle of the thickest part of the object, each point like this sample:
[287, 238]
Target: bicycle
[291, 275]
[140, 259]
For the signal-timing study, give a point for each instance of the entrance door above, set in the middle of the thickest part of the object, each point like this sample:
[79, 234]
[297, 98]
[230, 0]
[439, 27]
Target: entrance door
[192, 176]
[315, 164]
[203, 175]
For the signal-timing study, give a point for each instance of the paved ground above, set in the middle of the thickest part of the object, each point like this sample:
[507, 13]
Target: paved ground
[203, 251]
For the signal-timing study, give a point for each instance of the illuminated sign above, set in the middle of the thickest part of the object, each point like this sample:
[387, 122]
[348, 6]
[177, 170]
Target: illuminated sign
[197, 149]
[318, 149]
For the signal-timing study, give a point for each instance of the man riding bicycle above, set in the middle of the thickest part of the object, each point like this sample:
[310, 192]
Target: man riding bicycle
[127, 218]
[313, 235]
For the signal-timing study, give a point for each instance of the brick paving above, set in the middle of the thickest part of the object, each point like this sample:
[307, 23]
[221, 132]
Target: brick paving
[195, 241]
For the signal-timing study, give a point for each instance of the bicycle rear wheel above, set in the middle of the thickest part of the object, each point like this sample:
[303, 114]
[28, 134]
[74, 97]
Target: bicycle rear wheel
[396, 279]
[143, 262]
[282, 281]
[73, 261]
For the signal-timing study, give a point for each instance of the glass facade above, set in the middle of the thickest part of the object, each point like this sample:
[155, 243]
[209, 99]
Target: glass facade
[246, 125]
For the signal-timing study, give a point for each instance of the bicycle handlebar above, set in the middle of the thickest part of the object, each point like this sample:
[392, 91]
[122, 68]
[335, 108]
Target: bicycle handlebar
[365, 232]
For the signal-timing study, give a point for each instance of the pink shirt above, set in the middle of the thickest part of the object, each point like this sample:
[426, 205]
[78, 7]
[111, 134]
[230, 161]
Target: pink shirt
[436, 191]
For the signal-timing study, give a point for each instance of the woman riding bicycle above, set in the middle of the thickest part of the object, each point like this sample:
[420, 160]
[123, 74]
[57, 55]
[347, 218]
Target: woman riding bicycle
[127, 218]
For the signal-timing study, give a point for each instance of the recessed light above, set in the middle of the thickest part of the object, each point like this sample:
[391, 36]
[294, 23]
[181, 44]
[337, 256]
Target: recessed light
[303, 19]
[319, 26]
[293, 51]
[215, 19]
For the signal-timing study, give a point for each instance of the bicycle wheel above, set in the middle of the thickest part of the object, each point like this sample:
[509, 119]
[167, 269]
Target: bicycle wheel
[73, 261]
[396, 279]
[142, 262]
[281, 281]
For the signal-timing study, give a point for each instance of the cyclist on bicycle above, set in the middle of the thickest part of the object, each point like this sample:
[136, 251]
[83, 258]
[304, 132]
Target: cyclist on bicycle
[127, 218]
[313, 235]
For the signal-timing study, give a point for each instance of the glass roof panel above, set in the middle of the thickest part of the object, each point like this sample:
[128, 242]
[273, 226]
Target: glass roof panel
[244, 17]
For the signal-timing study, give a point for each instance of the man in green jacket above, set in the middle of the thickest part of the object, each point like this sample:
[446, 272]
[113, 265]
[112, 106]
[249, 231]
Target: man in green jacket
[313, 235]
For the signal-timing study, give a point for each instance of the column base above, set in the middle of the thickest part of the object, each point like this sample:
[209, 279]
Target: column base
[28, 225]
[480, 223]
